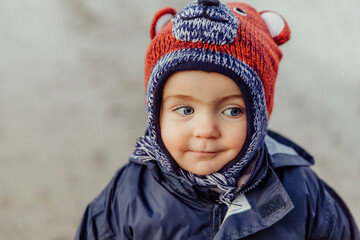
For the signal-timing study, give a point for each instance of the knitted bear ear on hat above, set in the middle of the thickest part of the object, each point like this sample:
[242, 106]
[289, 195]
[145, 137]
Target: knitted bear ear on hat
[277, 25]
[160, 20]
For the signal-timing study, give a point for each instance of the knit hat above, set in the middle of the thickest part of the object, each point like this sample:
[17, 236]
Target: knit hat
[232, 39]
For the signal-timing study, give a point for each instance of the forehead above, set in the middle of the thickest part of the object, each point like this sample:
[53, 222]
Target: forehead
[200, 84]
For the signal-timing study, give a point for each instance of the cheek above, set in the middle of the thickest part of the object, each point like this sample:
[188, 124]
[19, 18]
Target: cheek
[172, 136]
[237, 137]
[167, 135]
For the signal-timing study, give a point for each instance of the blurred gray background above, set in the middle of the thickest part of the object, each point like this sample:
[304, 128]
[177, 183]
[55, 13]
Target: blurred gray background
[71, 100]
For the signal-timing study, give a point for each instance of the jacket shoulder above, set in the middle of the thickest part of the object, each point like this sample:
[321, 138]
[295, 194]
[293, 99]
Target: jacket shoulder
[329, 216]
[102, 215]
[125, 184]
[284, 152]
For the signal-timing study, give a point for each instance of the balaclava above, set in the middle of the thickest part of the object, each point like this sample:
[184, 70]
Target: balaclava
[232, 39]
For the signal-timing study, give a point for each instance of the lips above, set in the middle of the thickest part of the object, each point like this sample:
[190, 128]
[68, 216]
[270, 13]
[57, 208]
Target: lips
[204, 154]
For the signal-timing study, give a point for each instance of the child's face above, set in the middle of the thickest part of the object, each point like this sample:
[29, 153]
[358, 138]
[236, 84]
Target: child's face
[202, 120]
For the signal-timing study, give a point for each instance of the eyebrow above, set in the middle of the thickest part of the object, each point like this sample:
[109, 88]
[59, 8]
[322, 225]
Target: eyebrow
[187, 97]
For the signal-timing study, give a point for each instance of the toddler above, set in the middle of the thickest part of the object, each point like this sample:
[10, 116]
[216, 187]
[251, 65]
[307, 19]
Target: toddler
[208, 167]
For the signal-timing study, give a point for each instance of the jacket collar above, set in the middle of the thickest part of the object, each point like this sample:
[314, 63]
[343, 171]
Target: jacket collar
[252, 211]
[285, 153]
[268, 202]
[282, 143]
[257, 209]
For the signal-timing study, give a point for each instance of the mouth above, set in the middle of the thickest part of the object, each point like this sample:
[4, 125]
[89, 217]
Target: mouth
[204, 154]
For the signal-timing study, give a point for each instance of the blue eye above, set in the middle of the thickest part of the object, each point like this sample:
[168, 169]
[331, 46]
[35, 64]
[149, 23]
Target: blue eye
[185, 110]
[233, 112]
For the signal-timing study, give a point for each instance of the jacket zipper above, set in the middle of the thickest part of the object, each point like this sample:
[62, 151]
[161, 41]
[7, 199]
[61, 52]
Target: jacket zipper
[216, 212]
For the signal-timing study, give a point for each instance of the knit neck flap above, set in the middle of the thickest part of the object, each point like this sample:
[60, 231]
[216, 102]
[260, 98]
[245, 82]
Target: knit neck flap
[207, 186]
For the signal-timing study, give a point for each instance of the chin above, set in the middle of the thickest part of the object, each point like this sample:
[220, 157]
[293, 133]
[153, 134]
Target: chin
[202, 171]
[201, 167]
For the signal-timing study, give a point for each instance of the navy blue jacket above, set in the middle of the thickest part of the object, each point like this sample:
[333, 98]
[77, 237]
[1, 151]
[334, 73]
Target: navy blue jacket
[291, 202]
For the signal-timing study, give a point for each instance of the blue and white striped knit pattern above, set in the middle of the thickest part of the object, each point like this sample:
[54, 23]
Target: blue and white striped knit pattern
[148, 147]
[218, 27]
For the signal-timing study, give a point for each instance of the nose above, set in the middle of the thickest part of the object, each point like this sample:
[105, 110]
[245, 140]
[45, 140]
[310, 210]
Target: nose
[209, 2]
[206, 128]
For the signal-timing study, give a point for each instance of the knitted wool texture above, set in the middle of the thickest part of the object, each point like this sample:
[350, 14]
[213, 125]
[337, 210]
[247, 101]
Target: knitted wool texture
[233, 40]
[252, 45]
